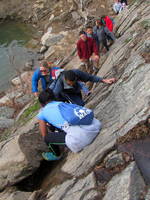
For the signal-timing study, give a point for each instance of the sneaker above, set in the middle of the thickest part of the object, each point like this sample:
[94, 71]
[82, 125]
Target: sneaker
[49, 156]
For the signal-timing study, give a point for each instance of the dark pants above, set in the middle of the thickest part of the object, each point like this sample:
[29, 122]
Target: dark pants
[73, 98]
[54, 139]
[104, 42]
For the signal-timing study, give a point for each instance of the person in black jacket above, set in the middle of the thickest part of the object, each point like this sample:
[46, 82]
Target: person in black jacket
[69, 84]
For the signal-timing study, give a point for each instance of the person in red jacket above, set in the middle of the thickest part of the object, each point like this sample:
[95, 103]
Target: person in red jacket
[87, 49]
[108, 22]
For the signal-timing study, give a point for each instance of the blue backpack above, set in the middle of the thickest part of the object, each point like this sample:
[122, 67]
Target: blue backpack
[76, 115]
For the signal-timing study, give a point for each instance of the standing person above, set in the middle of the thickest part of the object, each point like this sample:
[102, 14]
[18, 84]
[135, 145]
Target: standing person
[87, 48]
[77, 125]
[117, 7]
[108, 22]
[89, 33]
[68, 85]
[103, 33]
[46, 73]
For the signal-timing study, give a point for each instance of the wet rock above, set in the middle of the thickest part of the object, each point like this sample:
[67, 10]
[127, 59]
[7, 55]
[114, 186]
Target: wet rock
[20, 156]
[129, 184]
[6, 112]
[73, 189]
[32, 44]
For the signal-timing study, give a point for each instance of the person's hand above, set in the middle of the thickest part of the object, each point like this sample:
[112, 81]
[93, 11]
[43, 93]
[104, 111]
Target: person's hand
[109, 81]
[36, 94]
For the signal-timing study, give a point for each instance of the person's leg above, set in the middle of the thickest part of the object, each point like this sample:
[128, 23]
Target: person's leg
[53, 140]
[85, 65]
[95, 60]
[105, 44]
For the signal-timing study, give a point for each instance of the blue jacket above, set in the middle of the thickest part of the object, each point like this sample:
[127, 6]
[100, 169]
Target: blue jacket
[38, 76]
[58, 85]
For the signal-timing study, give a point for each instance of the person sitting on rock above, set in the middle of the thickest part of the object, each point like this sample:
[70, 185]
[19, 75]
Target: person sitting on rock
[69, 84]
[103, 33]
[46, 73]
[87, 49]
[76, 125]
[117, 7]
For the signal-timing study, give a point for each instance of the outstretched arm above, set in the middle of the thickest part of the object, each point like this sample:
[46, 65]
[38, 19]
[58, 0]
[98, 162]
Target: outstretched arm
[109, 81]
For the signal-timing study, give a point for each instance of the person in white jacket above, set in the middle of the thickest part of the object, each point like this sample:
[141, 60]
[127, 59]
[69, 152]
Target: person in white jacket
[117, 6]
[75, 137]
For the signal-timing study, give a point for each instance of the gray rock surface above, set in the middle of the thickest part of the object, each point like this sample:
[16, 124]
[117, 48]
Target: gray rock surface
[49, 39]
[73, 189]
[127, 185]
[6, 123]
[6, 112]
[20, 156]
[21, 101]
[120, 106]
[14, 194]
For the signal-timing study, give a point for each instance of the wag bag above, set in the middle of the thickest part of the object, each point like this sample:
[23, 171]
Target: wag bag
[76, 115]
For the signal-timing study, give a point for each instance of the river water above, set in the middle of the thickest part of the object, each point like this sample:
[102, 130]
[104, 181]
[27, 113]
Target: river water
[13, 54]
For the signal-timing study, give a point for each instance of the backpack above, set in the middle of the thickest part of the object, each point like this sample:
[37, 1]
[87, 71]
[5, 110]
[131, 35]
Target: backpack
[76, 115]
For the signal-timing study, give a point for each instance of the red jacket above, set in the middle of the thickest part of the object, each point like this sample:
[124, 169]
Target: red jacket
[86, 48]
[109, 23]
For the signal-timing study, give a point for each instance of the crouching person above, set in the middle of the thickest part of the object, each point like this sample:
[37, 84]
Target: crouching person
[76, 125]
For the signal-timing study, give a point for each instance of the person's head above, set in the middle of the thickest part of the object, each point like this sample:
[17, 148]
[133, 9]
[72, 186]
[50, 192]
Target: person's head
[97, 22]
[89, 30]
[70, 77]
[46, 96]
[82, 35]
[44, 67]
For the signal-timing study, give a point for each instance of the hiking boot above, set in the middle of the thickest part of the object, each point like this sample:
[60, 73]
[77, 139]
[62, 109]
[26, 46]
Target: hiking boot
[49, 156]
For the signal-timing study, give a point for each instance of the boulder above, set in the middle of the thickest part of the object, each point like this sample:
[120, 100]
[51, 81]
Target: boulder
[20, 80]
[6, 123]
[20, 156]
[49, 38]
[129, 184]
[21, 101]
[6, 112]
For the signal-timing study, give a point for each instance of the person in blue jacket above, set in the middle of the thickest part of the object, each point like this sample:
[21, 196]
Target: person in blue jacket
[67, 87]
[75, 136]
[46, 73]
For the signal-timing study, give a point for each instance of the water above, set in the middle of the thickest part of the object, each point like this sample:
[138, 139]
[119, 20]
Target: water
[13, 54]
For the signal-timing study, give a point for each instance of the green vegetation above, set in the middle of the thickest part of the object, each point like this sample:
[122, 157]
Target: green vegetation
[29, 113]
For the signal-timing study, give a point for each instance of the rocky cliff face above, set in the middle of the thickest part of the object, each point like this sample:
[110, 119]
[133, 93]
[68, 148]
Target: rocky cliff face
[99, 171]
